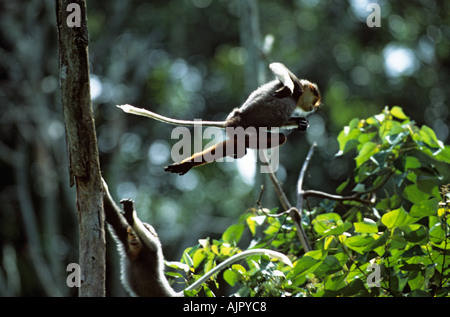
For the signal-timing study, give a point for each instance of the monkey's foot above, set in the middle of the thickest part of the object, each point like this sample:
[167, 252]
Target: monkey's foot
[179, 168]
[302, 123]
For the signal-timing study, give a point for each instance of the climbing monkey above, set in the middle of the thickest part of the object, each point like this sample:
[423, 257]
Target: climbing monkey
[142, 260]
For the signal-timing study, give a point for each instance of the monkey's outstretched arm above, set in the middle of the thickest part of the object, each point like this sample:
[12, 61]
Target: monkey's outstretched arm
[121, 222]
[146, 113]
[150, 240]
[235, 258]
[114, 216]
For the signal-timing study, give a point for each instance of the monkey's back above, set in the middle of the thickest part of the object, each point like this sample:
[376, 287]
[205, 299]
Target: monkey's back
[262, 109]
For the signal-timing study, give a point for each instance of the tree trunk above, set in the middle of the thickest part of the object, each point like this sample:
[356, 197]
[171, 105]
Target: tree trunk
[84, 166]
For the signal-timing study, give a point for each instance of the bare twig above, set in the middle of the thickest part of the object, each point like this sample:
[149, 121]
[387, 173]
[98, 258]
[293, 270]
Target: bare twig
[354, 197]
[281, 214]
[293, 212]
[301, 177]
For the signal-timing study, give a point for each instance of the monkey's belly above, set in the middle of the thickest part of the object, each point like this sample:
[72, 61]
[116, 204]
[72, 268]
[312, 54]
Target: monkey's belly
[267, 115]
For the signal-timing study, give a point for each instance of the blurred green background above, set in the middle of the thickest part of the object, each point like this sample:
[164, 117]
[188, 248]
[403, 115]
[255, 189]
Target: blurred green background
[184, 59]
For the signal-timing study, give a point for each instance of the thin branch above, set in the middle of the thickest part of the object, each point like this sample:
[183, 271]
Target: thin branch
[293, 212]
[276, 184]
[301, 177]
[281, 214]
[284, 213]
[354, 197]
[305, 167]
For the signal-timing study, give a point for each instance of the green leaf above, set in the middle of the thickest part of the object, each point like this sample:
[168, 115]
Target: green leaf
[380, 241]
[368, 149]
[174, 274]
[396, 136]
[208, 291]
[411, 267]
[187, 259]
[413, 252]
[415, 233]
[198, 257]
[414, 194]
[325, 222]
[335, 282]
[230, 276]
[419, 293]
[395, 218]
[389, 203]
[424, 208]
[316, 254]
[304, 264]
[191, 293]
[339, 229]
[239, 268]
[308, 262]
[366, 226]
[444, 155]
[251, 223]
[341, 187]
[233, 233]
[330, 224]
[398, 113]
[388, 127]
[429, 137]
[437, 233]
[398, 242]
[355, 287]
[380, 157]
[347, 138]
[328, 266]
[412, 162]
[358, 243]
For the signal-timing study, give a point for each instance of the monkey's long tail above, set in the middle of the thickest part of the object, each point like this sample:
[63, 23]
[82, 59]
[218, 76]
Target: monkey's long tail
[146, 113]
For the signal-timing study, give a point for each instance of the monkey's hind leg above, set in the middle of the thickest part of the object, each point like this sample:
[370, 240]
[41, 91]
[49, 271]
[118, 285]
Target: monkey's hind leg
[207, 156]
[231, 147]
[180, 168]
[185, 166]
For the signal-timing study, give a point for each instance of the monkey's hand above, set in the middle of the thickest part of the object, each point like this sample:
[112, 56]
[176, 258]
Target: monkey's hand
[128, 210]
[299, 123]
[302, 123]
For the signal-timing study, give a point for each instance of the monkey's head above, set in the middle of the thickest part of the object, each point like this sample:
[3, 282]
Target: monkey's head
[310, 98]
[134, 244]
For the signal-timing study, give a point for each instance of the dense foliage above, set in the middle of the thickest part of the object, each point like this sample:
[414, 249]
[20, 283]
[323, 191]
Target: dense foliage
[393, 240]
